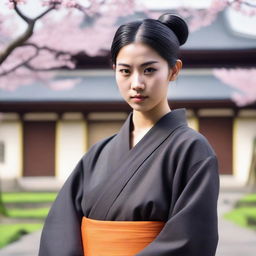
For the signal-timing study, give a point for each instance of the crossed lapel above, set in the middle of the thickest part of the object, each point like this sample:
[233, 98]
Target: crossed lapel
[127, 162]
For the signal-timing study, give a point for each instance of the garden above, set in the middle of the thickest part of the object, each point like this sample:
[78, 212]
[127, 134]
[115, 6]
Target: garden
[23, 213]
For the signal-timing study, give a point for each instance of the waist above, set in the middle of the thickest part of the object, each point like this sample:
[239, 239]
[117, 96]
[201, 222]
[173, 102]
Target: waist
[117, 238]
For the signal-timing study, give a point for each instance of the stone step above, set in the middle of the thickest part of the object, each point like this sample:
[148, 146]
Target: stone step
[7, 220]
[28, 205]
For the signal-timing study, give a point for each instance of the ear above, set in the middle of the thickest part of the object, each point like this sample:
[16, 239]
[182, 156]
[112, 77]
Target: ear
[175, 70]
[114, 67]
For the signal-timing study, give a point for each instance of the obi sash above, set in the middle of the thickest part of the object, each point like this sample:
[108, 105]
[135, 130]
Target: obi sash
[117, 238]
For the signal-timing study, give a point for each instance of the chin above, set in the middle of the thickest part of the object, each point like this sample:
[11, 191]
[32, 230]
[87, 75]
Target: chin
[140, 108]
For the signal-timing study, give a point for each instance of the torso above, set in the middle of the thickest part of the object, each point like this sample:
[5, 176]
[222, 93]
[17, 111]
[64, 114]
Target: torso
[139, 180]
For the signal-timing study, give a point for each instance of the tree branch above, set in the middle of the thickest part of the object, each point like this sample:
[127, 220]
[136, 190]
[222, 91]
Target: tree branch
[26, 35]
[249, 4]
[56, 52]
[43, 69]
[45, 12]
[38, 49]
[17, 42]
[19, 65]
[242, 2]
[18, 11]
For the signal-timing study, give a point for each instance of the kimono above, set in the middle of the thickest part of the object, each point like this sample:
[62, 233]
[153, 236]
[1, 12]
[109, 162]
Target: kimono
[170, 175]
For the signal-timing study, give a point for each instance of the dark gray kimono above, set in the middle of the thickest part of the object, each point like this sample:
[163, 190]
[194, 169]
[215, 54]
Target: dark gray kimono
[171, 175]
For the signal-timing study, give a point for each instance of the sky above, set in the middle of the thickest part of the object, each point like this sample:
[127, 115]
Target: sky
[239, 23]
[162, 4]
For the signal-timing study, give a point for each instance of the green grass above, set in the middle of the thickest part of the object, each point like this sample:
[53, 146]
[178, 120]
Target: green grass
[244, 214]
[12, 232]
[26, 197]
[37, 213]
[249, 198]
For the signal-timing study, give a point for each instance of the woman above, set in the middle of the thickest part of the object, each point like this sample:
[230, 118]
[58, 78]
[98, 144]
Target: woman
[152, 189]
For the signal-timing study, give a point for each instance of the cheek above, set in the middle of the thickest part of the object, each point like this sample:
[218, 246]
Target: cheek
[121, 86]
[119, 81]
[160, 80]
[160, 86]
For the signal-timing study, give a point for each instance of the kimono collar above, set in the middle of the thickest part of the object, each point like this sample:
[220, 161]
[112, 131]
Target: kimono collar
[165, 124]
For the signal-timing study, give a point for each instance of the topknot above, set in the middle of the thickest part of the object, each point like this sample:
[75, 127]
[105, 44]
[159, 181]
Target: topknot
[177, 25]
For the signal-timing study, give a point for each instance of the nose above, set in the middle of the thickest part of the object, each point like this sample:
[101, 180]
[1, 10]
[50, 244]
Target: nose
[137, 82]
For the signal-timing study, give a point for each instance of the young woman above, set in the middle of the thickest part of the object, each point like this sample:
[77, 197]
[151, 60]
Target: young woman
[151, 189]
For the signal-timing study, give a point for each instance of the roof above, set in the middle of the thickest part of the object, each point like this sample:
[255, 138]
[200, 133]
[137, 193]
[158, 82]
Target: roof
[218, 35]
[100, 86]
[216, 45]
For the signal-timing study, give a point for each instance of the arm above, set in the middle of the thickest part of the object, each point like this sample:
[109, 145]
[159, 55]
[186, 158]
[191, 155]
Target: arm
[191, 229]
[61, 234]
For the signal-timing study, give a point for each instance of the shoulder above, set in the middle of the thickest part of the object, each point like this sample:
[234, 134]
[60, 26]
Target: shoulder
[196, 139]
[190, 144]
[190, 152]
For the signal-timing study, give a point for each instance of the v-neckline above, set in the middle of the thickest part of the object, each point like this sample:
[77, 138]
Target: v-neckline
[130, 148]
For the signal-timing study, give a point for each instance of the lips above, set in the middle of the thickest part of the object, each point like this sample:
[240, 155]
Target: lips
[138, 98]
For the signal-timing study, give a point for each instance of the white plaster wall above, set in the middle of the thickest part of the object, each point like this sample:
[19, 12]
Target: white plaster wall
[244, 133]
[11, 135]
[193, 123]
[70, 146]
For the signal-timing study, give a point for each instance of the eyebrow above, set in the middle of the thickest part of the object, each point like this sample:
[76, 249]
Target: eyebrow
[142, 65]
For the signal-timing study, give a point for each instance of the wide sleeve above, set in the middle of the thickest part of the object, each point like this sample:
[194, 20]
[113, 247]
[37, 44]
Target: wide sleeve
[192, 226]
[61, 234]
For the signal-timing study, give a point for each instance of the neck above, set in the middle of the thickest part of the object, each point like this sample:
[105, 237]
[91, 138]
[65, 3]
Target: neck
[145, 120]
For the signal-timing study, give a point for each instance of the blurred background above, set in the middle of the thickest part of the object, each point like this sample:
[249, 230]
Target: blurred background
[58, 97]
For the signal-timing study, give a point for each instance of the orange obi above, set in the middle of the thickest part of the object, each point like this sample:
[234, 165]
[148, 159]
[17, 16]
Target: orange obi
[117, 238]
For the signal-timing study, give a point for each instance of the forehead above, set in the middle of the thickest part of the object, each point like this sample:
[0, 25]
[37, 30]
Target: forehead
[137, 53]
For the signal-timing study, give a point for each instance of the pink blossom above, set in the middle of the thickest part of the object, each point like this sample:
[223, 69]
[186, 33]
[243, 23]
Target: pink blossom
[53, 44]
[19, 56]
[63, 84]
[56, 41]
[18, 1]
[70, 4]
[243, 80]
[204, 17]
[11, 3]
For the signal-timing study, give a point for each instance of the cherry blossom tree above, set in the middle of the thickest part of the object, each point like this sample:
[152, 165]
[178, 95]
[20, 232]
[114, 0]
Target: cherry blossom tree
[243, 80]
[89, 28]
[198, 18]
[51, 46]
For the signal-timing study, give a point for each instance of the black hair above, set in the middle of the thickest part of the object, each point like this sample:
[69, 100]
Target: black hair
[164, 35]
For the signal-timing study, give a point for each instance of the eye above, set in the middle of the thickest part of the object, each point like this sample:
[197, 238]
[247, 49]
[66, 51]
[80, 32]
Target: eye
[149, 71]
[124, 71]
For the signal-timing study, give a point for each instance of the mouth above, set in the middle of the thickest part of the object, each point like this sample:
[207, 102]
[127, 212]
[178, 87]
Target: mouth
[138, 98]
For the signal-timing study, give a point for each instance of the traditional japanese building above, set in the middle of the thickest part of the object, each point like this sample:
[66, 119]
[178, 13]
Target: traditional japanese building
[43, 133]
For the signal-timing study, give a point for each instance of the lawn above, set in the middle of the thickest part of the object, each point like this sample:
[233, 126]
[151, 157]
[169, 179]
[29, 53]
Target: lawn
[244, 213]
[12, 232]
[31, 219]
[249, 198]
[26, 197]
[38, 213]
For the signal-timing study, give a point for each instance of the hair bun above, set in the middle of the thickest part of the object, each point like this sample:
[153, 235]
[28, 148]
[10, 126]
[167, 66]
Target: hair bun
[177, 25]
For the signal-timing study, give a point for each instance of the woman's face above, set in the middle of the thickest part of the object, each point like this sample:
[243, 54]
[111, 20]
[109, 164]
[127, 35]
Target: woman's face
[143, 77]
